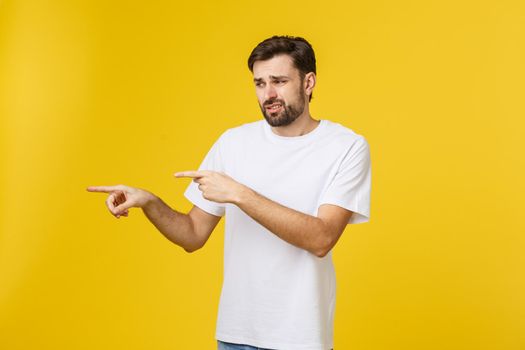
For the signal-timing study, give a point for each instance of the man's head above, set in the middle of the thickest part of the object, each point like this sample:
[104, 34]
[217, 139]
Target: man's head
[284, 75]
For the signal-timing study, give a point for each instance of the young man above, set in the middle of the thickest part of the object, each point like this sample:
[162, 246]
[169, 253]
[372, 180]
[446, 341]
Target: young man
[288, 186]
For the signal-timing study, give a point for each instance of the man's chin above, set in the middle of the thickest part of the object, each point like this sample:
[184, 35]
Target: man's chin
[276, 120]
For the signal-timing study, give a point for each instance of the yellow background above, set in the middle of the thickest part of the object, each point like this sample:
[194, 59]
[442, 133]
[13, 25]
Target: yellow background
[101, 93]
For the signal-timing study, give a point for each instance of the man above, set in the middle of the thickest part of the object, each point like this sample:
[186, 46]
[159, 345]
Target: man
[288, 186]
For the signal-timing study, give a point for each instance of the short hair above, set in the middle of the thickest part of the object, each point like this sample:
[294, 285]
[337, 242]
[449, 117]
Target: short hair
[297, 48]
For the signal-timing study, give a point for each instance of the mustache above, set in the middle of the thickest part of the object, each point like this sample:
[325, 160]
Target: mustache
[272, 101]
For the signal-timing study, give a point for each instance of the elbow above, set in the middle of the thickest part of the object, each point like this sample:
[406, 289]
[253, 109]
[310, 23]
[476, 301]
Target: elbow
[327, 238]
[322, 252]
[193, 248]
[194, 241]
[324, 246]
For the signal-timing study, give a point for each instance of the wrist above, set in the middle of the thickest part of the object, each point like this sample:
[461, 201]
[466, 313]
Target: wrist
[149, 200]
[243, 195]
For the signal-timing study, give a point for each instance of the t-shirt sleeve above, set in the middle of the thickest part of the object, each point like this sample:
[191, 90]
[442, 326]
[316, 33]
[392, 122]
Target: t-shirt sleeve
[350, 187]
[212, 161]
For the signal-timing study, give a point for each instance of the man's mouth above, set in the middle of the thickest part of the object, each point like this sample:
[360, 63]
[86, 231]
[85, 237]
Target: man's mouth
[274, 107]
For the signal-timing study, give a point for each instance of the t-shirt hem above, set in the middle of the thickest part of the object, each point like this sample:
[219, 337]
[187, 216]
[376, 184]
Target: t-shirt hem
[201, 203]
[359, 216]
[270, 345]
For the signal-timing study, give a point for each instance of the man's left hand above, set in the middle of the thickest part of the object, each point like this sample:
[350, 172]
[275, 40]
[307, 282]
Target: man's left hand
[215, 186]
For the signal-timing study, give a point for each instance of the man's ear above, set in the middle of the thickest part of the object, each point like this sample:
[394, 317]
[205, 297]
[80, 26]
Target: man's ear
[309, 83]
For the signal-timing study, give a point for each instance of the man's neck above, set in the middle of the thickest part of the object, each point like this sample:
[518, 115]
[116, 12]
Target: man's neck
[301, 126]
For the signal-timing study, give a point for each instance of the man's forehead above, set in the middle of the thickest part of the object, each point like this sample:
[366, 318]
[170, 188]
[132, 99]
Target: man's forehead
[281, 65]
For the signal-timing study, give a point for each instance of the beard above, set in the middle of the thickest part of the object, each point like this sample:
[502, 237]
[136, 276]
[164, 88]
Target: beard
[287, 114]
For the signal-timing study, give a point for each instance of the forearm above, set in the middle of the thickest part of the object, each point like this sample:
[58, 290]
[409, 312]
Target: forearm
[175, 226]
[302, 230]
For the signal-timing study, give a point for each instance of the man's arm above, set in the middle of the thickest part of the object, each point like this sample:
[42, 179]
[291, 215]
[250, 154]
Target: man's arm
[317, 234]
[190, 231]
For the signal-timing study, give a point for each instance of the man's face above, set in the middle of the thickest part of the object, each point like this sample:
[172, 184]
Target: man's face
[279, 89]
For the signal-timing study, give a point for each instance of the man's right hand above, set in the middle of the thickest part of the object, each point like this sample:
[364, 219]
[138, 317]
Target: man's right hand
[121, 198]
[189, 231]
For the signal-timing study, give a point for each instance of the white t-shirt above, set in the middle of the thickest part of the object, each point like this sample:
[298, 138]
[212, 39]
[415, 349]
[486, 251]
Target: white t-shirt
[276, 295]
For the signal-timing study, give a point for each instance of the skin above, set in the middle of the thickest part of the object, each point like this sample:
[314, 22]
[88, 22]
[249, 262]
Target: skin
[278, 80]
[283, 89]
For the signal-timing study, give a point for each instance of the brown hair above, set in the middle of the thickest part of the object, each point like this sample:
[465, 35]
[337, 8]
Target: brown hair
[297, 48]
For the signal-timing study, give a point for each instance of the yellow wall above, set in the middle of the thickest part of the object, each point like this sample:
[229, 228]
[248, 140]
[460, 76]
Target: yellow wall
[99, 92]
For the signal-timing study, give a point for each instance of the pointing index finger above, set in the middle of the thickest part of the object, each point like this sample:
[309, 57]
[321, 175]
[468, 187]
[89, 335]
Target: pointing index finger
[106, 189]
[191, 173]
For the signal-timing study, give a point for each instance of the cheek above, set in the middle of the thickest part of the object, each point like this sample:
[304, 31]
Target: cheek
[290, 95]
[260, 97]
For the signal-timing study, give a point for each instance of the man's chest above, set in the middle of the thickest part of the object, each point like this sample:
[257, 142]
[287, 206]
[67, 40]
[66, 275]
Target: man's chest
[294, 177]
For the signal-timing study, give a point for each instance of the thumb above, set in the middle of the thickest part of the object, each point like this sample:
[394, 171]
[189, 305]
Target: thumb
[120, 209]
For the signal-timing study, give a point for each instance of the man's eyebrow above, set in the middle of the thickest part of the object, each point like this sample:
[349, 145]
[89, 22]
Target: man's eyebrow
[272, 77]
[278, 77]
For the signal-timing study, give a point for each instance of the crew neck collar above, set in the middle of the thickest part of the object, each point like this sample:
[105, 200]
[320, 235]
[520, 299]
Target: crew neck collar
[293, 139]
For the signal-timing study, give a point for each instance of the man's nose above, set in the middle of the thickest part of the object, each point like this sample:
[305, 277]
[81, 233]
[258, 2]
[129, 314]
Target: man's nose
[270, 92]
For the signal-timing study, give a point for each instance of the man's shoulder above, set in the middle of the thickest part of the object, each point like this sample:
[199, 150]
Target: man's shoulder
[342, 134]
[243, 130]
